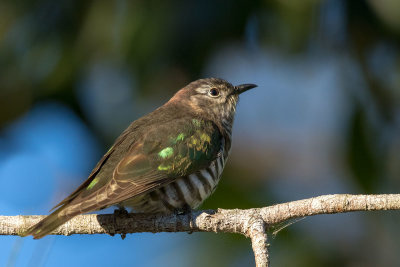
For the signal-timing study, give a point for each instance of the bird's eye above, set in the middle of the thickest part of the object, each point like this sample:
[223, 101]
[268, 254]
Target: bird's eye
[214, 92]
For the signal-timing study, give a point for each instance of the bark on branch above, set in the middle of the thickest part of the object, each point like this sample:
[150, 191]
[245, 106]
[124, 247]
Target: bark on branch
[252, 223]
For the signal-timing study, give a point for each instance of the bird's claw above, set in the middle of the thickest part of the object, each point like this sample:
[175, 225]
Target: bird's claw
[121, 212]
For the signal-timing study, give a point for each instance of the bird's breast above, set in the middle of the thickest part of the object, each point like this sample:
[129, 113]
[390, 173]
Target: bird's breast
[189, 190]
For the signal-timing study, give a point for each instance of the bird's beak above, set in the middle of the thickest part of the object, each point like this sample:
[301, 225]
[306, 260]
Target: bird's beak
[244, 87]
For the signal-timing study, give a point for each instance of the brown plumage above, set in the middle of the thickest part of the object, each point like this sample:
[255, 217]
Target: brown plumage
[167, 160]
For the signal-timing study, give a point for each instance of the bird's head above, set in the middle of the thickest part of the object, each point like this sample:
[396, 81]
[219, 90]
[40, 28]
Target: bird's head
[212, 97]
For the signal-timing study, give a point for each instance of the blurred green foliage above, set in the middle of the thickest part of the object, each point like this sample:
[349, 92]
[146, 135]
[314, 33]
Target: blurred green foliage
[47, 48]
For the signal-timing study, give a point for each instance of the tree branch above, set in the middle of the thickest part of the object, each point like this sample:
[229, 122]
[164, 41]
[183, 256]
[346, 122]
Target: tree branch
[259, 243]
[252, 223]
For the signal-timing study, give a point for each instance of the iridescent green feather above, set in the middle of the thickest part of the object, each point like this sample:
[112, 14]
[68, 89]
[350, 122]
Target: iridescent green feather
[187, 151]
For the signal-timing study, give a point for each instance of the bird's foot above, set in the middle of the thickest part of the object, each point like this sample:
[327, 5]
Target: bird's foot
[185, 210]
[121, 212]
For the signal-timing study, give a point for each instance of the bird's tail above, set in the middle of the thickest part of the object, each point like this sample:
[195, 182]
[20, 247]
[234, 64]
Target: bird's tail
[47, 225]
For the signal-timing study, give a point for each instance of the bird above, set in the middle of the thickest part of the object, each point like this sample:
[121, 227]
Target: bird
[167, 161]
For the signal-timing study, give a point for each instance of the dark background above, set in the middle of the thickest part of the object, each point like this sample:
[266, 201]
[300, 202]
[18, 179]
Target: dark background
[324, 119]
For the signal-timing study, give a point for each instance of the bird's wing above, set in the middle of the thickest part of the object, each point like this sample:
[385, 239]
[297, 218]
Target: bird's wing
[163, 155]
[95, 171]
